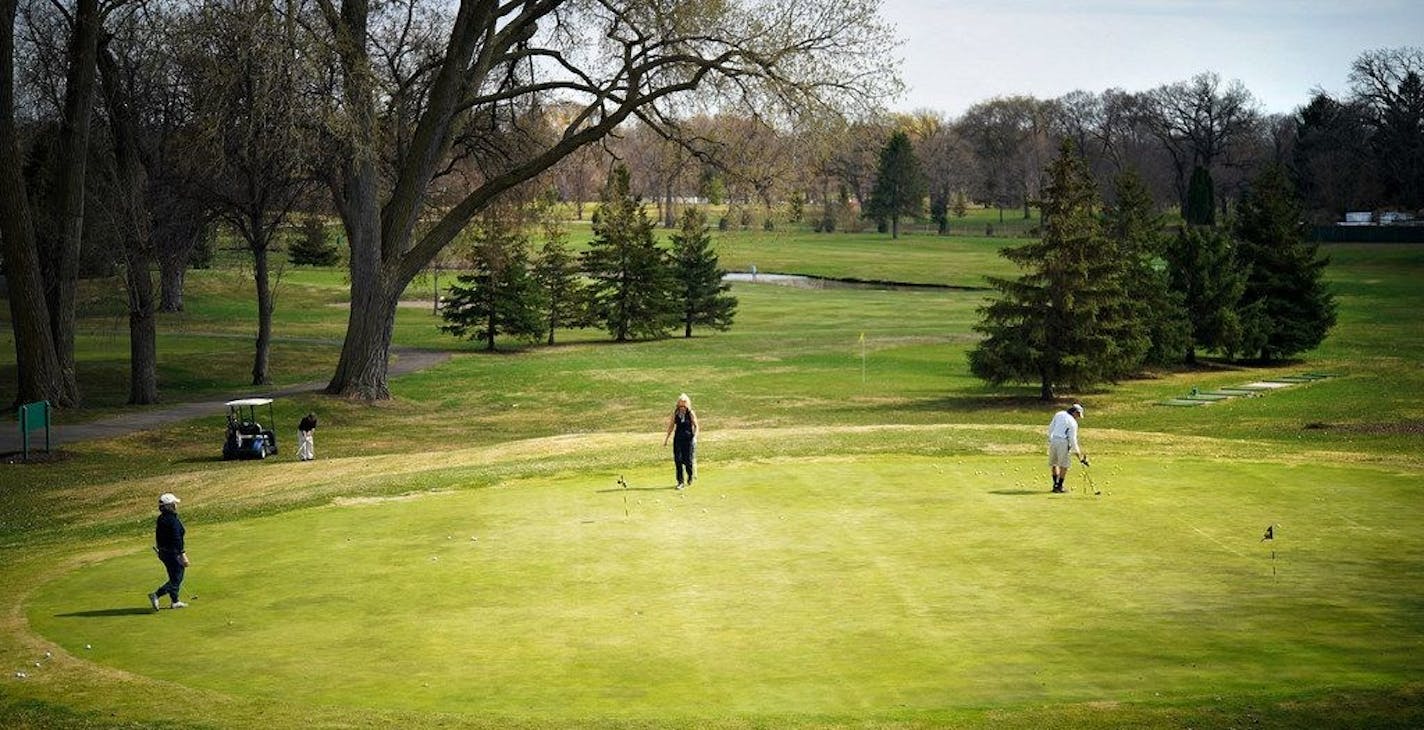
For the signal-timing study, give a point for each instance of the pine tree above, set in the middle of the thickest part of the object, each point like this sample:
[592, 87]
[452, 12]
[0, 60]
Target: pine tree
[900, 186]
[500, 295]
[1202, 266]
[1284, 272]
[1156, 310]
[311, 247]
[1201, 199]
[632, 289]
[557, 273]
[702, 292]
[1062, 323]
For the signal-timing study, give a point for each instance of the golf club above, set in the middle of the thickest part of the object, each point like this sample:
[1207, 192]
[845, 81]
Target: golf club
[1088, 474]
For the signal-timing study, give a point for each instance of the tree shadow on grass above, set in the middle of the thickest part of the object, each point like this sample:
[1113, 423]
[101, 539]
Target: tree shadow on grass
[106, 613]
[635, 489]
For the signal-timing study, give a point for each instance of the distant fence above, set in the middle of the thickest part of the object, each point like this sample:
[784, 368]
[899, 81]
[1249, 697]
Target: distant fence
[1367, 234]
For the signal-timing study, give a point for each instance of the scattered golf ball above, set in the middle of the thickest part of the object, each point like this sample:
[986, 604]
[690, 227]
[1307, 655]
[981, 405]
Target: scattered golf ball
[21, 675]
[86, 646]
[48, 655]
[37, 664]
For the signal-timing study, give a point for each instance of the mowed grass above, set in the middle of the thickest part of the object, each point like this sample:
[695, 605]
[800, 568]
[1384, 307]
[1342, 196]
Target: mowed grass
[922, 576]
[857, 590]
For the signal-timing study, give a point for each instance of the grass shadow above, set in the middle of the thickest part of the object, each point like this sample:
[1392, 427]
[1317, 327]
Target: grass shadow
[1017, 492]
[106, 612]
[635, 489]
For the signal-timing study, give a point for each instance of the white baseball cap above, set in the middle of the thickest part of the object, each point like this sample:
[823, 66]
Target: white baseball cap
[1076, 407]
[168, 498]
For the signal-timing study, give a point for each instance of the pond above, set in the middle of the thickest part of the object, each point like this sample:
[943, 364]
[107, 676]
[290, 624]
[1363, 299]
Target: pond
[802, 281]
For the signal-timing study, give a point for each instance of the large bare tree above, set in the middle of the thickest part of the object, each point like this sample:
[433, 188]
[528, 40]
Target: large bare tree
[499, 63]
[245, 75]
[1198, 121]
[40, 377]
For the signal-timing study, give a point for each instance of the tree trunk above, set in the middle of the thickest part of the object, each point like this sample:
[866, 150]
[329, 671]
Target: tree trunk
[38, 370]
[1045, 388]
[131, 182]
[143, 331]
[172, 273]
[261, 364]
[69, 188]
[894, 227]
[365, 354]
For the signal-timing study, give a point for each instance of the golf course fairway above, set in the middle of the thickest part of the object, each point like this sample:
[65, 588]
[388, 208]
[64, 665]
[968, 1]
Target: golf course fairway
[874, 587]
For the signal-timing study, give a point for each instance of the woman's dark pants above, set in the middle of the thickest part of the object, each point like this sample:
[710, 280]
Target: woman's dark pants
[683, 454]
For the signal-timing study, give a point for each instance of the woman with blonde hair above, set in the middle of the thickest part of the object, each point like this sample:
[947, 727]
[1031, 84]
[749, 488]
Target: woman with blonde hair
[682, 429]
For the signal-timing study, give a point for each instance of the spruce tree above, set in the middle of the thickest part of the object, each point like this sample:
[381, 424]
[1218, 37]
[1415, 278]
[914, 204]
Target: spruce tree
[900, 186]
[632, 289]
[1062, 322]
[1201, 199]
[500, 295]
[1157, 311]
[1284, 278]
[1202, 266]
[702, 292]
[311, 247]
[557, 274]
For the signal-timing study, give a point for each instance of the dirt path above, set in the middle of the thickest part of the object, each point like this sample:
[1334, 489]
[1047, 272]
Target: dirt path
[406, 361]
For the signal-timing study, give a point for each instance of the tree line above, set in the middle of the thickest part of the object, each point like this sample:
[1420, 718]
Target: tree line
[128, 128]
[1106, 291]
[635, 289]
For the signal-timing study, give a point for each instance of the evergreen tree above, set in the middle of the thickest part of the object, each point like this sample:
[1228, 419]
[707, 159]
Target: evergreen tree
[500, 295]
[1202, 267]
[1284, 272]
[900, 186]
[1157, 311]
[311, 247]
[557, 274]
[1201, 199]
[702, 292]
[1062, 323]
[632, 289]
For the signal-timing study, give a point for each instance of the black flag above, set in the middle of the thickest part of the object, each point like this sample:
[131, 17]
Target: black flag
[1270, 533]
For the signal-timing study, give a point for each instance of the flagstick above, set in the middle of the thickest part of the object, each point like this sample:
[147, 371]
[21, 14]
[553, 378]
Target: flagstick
[862, 358]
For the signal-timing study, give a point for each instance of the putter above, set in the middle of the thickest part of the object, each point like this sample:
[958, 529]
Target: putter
[1087, 473]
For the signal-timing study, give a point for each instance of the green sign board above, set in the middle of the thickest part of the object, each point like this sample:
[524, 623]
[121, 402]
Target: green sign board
[33, 416]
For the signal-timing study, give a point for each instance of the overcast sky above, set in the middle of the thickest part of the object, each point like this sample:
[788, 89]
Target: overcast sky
[960, 52]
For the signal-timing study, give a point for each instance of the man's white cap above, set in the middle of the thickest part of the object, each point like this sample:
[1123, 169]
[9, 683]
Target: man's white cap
[168, 498]
[1076, 407]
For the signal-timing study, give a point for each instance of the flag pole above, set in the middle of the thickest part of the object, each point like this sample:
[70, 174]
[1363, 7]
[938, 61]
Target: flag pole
[862, 358]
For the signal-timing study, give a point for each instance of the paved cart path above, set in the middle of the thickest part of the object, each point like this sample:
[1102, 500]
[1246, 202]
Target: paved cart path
[406, 361]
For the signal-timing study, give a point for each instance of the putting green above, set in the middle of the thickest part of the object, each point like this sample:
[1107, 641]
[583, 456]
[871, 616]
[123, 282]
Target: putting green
[868, 586]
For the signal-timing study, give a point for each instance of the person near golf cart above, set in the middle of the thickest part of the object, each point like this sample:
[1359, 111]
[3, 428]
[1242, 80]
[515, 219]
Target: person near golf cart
[1063, 443]
[306, 445]
[682, 429]
[168, 535]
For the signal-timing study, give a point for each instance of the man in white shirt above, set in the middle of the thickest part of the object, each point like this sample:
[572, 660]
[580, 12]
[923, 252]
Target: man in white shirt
[1063, 441]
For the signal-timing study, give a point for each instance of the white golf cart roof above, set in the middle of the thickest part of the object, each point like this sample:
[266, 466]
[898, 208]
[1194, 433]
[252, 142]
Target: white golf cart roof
[249, 402]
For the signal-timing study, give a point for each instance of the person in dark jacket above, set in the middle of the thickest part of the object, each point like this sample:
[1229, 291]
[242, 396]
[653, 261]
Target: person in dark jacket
[168, 536]
[306, 445]
[682, 429]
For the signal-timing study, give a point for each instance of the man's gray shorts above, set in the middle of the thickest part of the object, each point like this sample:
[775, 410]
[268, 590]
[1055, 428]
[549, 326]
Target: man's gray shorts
[1058, 453]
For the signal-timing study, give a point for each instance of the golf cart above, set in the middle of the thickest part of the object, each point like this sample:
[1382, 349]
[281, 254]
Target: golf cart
[246, 437]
